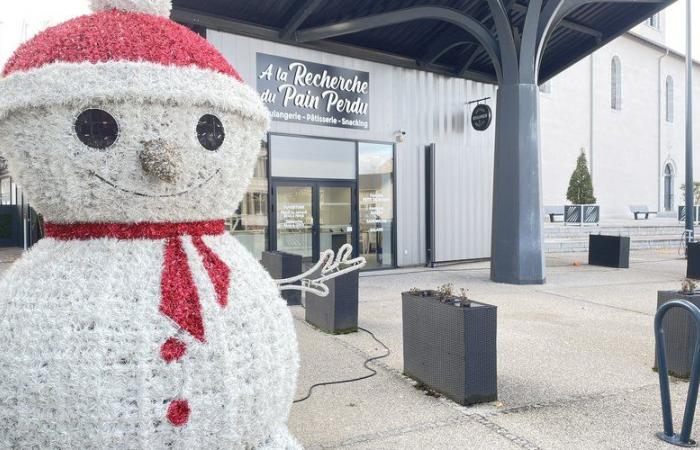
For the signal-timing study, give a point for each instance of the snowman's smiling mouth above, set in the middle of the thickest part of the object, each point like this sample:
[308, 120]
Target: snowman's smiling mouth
[141, 194]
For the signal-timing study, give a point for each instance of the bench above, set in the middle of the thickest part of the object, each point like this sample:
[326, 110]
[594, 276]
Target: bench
[638, 210]
[553, 211]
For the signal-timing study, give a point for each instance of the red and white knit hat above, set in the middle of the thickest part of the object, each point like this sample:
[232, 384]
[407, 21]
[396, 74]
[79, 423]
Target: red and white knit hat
[127, 50]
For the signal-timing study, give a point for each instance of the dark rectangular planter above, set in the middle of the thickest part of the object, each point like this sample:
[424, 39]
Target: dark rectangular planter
[609, 251]
[679, 333]
[450, 349]
[693, 263]
[282, 265]
[337, 241]
[337, 312]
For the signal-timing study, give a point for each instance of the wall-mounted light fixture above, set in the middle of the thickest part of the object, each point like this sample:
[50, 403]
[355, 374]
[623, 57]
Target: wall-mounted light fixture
[400, 136]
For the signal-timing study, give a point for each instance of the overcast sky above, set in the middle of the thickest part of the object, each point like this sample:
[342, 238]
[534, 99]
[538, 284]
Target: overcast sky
[20, 20]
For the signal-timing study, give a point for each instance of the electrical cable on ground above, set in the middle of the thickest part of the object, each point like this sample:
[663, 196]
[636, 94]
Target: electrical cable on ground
[351, 380]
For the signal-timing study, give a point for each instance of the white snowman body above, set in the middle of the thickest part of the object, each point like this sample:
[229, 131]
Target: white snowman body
[81, 364]
[94, 351]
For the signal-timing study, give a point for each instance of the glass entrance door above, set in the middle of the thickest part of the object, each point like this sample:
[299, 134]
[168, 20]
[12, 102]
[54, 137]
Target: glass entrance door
[335, 217]
[294, 220]
[313, 216]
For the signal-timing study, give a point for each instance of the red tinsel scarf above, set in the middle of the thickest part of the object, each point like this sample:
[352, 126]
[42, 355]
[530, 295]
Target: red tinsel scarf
[179, 298]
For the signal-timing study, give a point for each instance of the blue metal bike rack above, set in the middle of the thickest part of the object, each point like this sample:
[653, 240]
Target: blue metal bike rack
[682, 439]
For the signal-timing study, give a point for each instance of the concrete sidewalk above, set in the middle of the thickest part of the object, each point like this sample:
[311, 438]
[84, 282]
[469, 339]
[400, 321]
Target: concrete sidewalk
[8, 255]
[574, 364]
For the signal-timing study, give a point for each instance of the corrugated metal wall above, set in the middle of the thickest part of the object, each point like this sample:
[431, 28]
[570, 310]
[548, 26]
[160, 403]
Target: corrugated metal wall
[464, 173]
[429, 108]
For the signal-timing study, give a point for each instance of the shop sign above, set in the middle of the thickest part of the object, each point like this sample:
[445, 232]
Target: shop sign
[307, 92]
[481, 117]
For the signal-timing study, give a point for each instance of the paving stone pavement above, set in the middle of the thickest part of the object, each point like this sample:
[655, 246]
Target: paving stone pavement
[574, 364]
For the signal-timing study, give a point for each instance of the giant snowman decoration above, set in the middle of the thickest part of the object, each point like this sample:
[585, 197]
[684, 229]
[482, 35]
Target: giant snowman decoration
[138, 323]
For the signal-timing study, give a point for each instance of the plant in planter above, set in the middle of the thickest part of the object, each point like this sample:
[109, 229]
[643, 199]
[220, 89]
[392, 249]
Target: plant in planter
[445, 293]
[449, 343]
[580, 193]
[688, 286]
[679, 329]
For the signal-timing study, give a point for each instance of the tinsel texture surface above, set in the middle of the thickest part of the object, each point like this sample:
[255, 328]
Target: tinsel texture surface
[117, 35]
[138, 322]
[90, 361]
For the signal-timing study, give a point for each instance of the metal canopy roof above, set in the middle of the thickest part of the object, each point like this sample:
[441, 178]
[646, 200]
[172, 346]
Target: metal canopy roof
[425, 41]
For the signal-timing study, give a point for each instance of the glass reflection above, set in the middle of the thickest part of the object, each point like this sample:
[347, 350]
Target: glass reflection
[249, 223]
[335, 217]
[376, 170]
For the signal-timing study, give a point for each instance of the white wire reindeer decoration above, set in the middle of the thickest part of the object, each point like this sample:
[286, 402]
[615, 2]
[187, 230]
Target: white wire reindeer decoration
[329, 267]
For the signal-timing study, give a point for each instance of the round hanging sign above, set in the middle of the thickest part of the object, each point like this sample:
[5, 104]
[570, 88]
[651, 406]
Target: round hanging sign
[481, 117]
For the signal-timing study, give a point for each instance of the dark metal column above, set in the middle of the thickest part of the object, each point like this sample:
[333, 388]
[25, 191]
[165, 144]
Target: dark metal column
[517, 255]
[516, 239]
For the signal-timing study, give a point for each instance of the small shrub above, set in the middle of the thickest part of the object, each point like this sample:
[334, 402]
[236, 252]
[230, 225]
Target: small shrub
[580, 190]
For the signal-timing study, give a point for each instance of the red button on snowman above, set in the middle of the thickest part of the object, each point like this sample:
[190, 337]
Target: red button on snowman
[138, 322]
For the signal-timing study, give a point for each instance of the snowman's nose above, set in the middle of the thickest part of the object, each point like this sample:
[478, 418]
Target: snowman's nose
[161, 159]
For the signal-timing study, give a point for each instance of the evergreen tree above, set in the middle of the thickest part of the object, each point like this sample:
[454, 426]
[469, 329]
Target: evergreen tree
[580, 190]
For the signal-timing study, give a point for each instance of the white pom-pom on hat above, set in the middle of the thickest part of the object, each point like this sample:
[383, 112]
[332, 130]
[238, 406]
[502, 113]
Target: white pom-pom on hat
[155, 7]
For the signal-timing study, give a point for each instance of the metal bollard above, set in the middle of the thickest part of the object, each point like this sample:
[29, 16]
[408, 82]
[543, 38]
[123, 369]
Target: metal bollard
[682, 439]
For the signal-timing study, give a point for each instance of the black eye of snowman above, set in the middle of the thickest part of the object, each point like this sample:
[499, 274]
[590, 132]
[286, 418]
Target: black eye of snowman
[96, 128]
[210, 132]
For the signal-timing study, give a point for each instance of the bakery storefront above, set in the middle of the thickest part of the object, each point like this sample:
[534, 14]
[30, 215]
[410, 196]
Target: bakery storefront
[312, 193]
[345, 158]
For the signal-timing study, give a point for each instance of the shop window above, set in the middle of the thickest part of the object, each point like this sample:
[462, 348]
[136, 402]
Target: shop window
[616, 83]
[669, 99]
[376, 189]
[301, 157]
[6, 191]
[250, 221]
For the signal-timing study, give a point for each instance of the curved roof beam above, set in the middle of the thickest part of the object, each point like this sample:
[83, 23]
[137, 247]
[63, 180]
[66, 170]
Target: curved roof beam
[470, 25]
[529, 46]
[575, 26]
[555, 11]
[303, 12]
[435, 53]
[506, 41]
